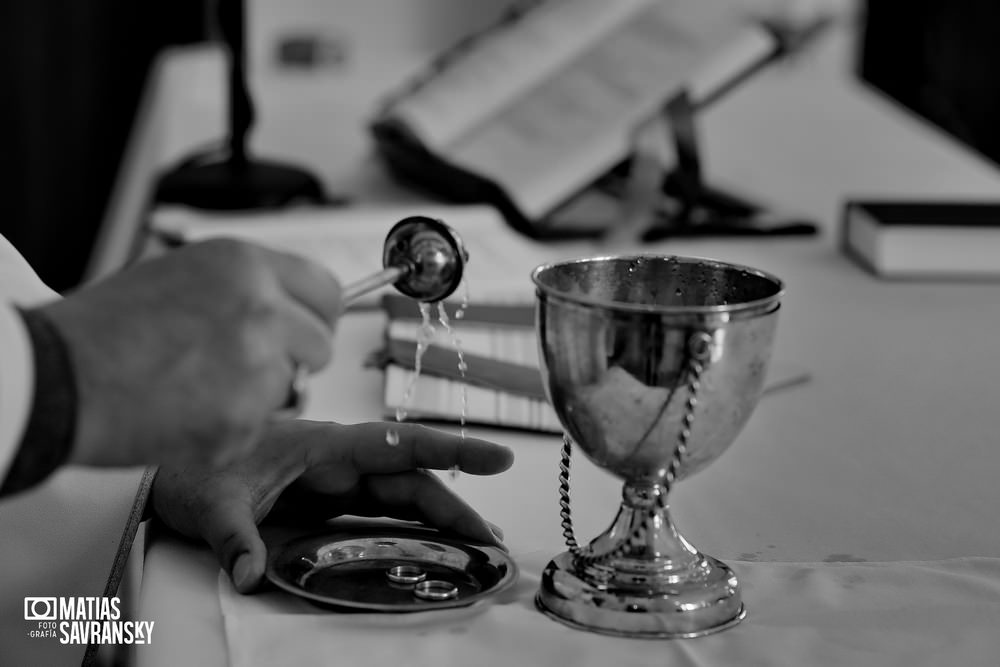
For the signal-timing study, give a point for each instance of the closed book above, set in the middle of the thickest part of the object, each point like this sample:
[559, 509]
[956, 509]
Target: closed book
[498, 383]
[934, 239]
[433, 398]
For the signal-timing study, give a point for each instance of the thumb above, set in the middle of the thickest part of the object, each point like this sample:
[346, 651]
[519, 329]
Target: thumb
[230, 529]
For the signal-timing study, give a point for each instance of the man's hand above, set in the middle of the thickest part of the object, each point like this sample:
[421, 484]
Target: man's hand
[315, 471]
[185, 358]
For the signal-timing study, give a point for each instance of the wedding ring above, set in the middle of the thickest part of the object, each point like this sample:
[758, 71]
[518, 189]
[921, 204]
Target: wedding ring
[435, 589]
[406, 574]
[297, 393]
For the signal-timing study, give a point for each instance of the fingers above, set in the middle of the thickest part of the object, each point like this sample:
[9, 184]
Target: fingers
[308, 283]
[229, 528]
[308, 337]
[422, 496]
[421, 447]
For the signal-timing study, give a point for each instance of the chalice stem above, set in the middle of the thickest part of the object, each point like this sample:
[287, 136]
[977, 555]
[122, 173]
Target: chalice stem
[642, 541]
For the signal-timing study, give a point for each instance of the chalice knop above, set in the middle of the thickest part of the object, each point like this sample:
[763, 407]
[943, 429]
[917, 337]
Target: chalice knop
[653, 364]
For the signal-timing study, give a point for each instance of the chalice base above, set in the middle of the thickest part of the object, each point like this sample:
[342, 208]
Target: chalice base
[688, 607]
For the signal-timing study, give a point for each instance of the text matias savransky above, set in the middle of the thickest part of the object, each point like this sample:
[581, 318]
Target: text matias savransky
[84, 620]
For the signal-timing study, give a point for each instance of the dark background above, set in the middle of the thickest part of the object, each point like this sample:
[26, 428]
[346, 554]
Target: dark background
[940, 58]
[72, 71]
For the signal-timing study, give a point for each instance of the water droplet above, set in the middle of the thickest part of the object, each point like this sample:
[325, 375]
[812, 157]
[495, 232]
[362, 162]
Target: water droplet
[425, 334]
[462, 366]
[462, 307]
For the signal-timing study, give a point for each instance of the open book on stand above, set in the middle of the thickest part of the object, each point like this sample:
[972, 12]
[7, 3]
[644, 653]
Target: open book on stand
[532, 112]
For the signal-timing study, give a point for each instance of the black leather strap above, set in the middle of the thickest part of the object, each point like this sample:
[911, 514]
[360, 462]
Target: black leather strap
[48, 438]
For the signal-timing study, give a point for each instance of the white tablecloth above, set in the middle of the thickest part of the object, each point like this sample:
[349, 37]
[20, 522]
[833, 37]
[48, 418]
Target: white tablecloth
[889, 453]
[931, 613]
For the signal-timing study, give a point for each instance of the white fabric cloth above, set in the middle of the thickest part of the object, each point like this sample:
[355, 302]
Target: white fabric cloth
[58, 539]
[906, 614]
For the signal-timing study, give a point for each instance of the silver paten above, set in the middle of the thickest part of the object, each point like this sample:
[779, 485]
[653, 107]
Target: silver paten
[390, 569]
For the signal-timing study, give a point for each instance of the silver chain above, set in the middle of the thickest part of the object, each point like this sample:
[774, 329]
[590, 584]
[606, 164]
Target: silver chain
[699, 352]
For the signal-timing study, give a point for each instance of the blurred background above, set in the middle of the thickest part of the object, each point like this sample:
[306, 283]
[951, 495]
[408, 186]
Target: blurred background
[72, 75]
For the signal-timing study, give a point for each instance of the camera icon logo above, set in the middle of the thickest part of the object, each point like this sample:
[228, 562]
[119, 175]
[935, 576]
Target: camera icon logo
[40, 609]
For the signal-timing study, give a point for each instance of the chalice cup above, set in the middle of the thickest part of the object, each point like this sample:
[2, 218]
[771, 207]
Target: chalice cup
[653, 364]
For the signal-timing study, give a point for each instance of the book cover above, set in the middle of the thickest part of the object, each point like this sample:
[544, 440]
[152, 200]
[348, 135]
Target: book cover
[924, 239]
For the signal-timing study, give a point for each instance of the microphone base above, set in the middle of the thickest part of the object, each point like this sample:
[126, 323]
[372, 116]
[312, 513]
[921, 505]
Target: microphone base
[229, 185]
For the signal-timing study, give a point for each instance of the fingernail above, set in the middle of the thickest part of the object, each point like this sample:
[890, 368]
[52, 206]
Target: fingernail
[496, 530]
[241, 572]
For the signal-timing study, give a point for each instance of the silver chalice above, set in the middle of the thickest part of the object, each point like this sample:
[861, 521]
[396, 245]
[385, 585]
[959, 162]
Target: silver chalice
[653, 365]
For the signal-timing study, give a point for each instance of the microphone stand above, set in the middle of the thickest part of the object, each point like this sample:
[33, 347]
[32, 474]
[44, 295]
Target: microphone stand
[235, 180]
